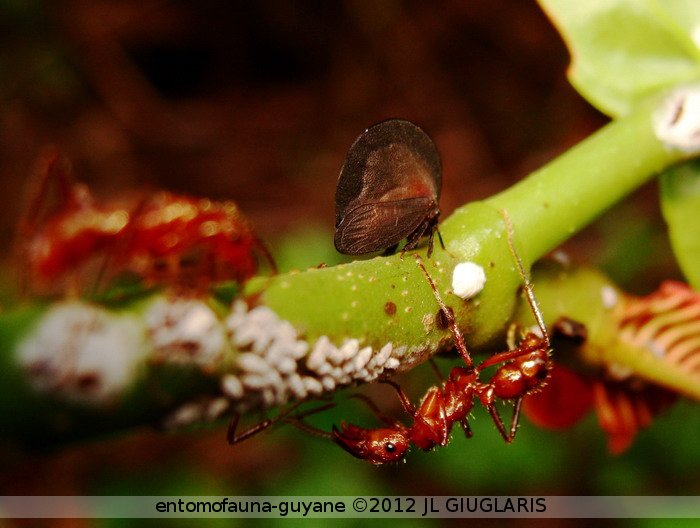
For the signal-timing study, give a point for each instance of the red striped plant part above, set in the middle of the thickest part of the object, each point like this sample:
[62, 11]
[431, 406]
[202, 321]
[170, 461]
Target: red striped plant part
[664, 327]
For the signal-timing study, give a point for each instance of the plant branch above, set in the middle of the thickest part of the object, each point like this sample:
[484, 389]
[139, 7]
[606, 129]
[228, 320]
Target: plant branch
[314, 331]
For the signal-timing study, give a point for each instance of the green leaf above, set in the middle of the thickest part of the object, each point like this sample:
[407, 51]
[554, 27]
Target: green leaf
[622, 51]
[680, 204]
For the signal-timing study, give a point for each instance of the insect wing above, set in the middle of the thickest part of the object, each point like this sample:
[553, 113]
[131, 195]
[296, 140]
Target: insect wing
[389, 183]
[393, 221]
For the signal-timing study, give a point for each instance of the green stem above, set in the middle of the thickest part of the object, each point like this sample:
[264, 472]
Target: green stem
[565, 195]
[386, 301]
[546, 208]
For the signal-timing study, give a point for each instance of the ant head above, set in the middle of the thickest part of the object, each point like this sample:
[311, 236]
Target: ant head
[377, 446]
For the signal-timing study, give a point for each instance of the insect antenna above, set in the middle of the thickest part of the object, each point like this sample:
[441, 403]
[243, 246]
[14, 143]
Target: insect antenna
[405, 401]
[297, 420]
[283, 415]
[529, 290]
[375, 410]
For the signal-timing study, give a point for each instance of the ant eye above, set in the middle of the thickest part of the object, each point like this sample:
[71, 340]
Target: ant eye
[390, 447]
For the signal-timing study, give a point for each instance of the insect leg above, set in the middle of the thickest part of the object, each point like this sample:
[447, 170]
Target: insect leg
[390, 250]
[51, 167]
[449, 317]
[429, 226]
[496, 417]
[464, 422]
[262, 247]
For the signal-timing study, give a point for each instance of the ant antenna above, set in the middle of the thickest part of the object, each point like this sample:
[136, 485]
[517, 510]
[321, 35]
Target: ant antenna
[529, 291]
[375, 410]
[283, 416]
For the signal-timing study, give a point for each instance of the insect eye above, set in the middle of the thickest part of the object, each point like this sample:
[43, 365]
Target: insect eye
[390, 447]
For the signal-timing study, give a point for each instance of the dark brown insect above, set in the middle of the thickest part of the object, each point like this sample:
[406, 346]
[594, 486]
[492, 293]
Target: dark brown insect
[388, 190]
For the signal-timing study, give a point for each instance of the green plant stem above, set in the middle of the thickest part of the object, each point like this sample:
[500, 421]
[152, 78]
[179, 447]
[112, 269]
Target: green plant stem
[546, 208]
[388, 299]
[565, 195]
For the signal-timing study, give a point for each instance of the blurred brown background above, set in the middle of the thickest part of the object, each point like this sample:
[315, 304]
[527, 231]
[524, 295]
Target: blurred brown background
[258, 102]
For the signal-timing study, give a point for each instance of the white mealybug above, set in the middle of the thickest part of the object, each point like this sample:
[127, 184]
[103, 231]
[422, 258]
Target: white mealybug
[83, 353]
[185, 331]
[677, 121]
[275, 364]
[468, 279]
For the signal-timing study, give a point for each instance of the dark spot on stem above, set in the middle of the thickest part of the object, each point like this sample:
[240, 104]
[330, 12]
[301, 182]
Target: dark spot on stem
[677, 113]
[88, 381]
[441, 319]
[570, 329]
[390, 308]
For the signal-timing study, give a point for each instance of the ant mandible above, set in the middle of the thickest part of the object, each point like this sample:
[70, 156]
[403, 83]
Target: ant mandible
[525, 368]
[154, 239]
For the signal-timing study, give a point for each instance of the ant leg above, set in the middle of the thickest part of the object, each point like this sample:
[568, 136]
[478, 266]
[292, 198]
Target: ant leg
[50, 167]
[391, 250]
[449, 316]
[309, 429]
[268, 256]
[499, 423]
[442, 242]
[502, 357]
[315, 410]
[516, 418]
[466, 427]
[231, 436]
[282, 416]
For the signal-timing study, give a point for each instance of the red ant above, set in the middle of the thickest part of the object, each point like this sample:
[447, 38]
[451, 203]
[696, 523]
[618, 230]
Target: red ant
[154, 239]
[526, 368]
